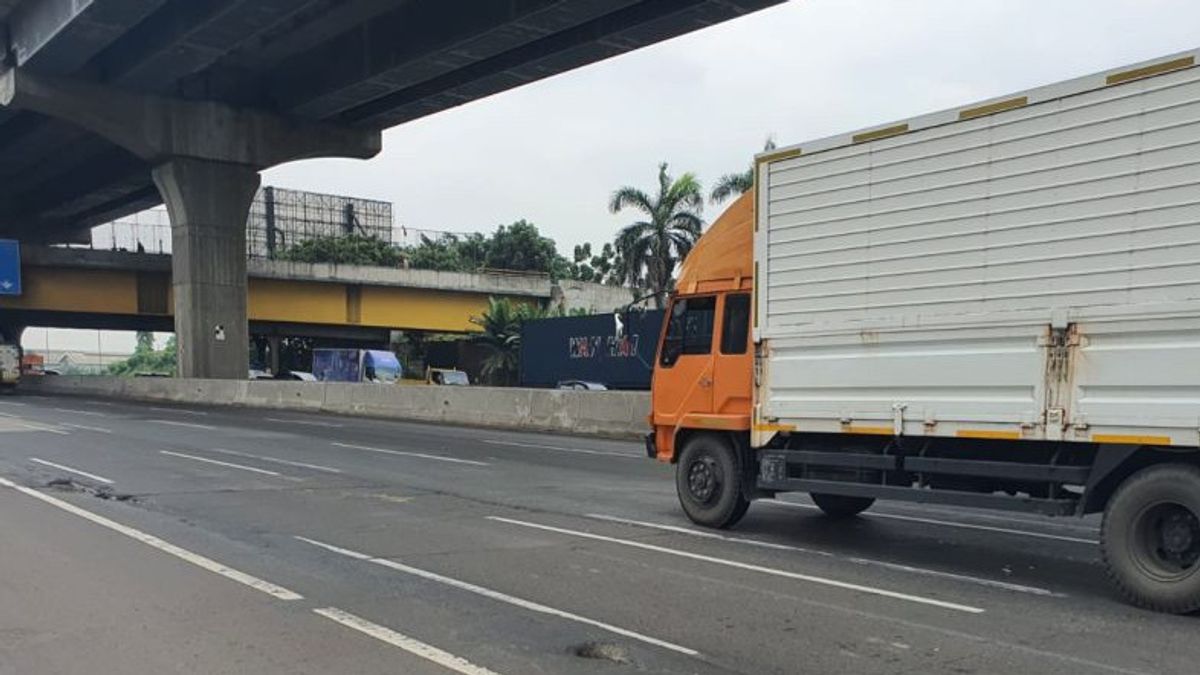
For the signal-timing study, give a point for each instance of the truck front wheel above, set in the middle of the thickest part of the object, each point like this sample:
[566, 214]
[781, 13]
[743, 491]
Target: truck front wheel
[841, 506]
[1151, 538]
[708, 478]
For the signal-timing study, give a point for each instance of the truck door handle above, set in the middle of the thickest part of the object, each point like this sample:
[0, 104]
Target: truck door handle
[706, 382]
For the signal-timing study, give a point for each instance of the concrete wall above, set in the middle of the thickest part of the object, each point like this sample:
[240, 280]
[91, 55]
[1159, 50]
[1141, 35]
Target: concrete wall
[606, 413]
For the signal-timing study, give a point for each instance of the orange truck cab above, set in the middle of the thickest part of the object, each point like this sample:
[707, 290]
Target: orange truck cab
[704, 368]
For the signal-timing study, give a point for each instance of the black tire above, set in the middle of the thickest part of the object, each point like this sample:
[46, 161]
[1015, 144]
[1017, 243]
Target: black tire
[841, 506]
[1150, 538]
[708, 479]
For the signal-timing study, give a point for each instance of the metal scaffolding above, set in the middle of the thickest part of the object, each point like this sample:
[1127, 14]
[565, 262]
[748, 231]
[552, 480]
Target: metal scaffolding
[280, 218]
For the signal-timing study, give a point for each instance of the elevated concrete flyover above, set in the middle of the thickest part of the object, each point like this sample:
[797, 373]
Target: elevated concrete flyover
[108, 107]
[81, 288]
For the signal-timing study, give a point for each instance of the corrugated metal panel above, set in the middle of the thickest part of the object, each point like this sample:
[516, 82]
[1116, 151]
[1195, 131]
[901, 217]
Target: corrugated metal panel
[913, 278]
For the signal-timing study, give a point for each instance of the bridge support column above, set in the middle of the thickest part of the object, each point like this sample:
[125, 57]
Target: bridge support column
[208, 203]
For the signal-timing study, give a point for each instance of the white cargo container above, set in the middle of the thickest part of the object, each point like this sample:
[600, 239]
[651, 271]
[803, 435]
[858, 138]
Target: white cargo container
[1025, 268]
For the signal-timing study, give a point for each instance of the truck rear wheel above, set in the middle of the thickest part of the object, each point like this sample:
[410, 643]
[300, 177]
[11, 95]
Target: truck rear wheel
[841, 506]
[708, 478]
[1150, 538]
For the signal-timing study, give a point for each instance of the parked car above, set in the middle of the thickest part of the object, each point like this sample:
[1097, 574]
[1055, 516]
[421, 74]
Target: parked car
[256, 374]
[581, 385]
[446, 376]
[299, 375]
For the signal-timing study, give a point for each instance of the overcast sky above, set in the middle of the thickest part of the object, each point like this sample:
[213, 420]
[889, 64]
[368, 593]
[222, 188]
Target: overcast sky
[552, 151]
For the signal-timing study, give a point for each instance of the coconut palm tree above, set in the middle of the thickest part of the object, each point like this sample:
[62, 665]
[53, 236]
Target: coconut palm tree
[734, 184]
[650, 249]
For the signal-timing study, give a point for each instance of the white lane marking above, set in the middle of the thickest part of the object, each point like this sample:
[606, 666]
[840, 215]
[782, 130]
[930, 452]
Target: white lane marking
[16, 403]
[559, 448]
[86, 427]
[949, 523]
[747, 566]
[30, 426]
[410, 645]
[501, 597]
[311, 423]
[982, 581]
[218, 462]
[76, 411]
[166, 547]
[264, 458]
[68, 469]
[190, 425]
[182, 411]
[402, 453]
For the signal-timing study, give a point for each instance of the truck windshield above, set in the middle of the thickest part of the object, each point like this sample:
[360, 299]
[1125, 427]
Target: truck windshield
[689, 329]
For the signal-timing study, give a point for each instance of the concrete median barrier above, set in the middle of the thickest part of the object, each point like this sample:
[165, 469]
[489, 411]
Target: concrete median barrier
[618, 414]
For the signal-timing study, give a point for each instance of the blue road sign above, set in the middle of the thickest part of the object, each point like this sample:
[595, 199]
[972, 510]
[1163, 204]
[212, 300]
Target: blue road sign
[10, 267]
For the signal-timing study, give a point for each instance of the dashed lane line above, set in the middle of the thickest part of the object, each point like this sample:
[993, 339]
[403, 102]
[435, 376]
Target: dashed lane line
[411, 645]
[190, 425]
[63, 467]
[218, 462]
[870, 590]
[288, 462]
[402, 453]
[559, 448]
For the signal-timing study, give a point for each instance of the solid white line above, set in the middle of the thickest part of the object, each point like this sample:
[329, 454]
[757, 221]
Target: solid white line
[948, 523]
[93, 476]
[75, 411]
[153, 541]
[746, 566]
[190, 425]
[422, 455]
[182, 411]
[501, 597]
[86, 427]
[562, 449]
[16, 403]
[310, 423]
[410, 645]
[218, 462]
[264, 458]
[993, 583]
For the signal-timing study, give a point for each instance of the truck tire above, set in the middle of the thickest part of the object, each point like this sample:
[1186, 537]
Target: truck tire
[841, 506]
[1150, 538]
[708, 479]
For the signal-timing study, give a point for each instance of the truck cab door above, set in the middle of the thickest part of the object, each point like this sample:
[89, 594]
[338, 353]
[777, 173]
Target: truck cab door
[683, 378]
[733, 364]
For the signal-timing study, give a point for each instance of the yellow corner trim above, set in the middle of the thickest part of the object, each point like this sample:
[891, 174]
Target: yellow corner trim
[775, 427]
[1147, 71]
[881, 133]
[873, 431]
[779, 155]
[1131, 439]
[993, 108]
[988, 433]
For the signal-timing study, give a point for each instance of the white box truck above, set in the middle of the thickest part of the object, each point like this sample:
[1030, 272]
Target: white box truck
[994, 306]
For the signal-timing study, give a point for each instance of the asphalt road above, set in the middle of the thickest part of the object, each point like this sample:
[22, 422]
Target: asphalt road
[161, 539]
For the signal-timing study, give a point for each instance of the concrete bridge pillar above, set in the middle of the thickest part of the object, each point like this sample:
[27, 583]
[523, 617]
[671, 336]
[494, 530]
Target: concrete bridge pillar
[208, 203]
[204, 157]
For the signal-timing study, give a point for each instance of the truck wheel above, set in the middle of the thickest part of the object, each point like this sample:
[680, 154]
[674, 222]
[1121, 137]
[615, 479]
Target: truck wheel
[1150, 538]
[708, 478]
[841, 506]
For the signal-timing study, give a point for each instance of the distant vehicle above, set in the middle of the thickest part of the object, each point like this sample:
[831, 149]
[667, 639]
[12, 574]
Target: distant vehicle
[446, 376]
[296, 375]
[10, 365]
[581, 385]
[256, 374]
[356, 365]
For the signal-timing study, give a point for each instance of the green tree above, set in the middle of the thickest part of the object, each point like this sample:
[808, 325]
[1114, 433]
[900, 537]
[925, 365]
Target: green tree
[501, 335]
[352, 249]
[733, 184]
[521, 247]
[650, 249]
[600, 268]
[146, 360]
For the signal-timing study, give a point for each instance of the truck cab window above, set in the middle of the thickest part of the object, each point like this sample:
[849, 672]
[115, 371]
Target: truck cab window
[735, 324]
[689, 329]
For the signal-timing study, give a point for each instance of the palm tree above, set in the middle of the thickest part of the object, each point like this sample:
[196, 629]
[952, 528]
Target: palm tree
[501, 336]
[733, 184]
[650, 249]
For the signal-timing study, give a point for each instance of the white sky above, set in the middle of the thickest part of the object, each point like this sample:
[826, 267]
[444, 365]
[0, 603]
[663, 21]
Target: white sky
[551, 152]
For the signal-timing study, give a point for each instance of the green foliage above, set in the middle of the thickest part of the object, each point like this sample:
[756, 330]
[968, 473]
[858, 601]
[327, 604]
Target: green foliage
[353, 249]
[501, 336]
[602, 268]
[521, 247]
[651, 249]
[734, 184]
[145, 359]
